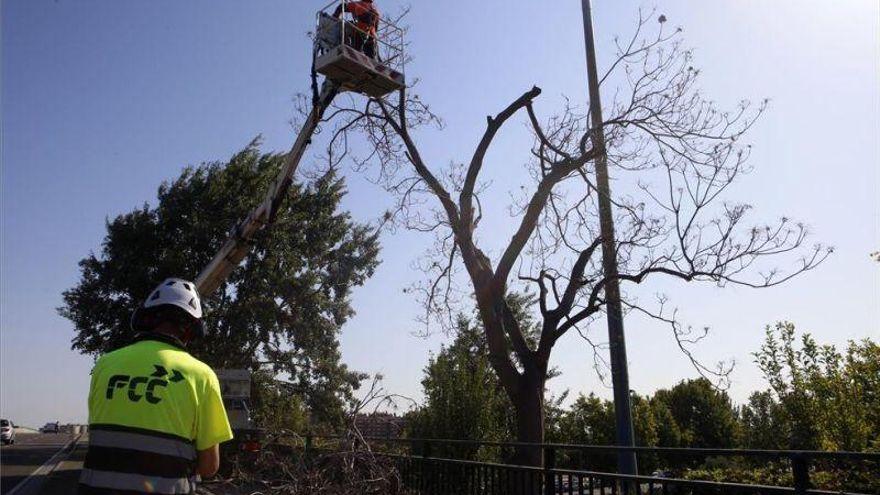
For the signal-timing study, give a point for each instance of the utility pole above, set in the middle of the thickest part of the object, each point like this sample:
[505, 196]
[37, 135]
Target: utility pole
[626, 461]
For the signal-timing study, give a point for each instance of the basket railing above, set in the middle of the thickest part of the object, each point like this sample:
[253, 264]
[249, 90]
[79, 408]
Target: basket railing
[389, 39]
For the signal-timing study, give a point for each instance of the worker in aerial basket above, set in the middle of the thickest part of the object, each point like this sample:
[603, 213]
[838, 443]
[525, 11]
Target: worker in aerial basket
[366, 17]
[156, 417]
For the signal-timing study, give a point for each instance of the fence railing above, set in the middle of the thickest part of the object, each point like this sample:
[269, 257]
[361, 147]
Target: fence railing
[430, 466]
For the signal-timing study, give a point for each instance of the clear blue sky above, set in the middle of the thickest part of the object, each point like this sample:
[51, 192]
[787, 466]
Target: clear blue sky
[103, 100]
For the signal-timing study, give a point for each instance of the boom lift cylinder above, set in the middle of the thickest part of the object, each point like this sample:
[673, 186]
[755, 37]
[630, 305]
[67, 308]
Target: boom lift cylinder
[242, 235]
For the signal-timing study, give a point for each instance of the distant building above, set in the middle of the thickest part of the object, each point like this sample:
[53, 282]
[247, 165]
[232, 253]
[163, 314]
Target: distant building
[382, 425]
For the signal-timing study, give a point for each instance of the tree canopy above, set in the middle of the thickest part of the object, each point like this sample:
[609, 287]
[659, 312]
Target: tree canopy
[281, 310]
[819, 397]
[463, 398]
[704, 415]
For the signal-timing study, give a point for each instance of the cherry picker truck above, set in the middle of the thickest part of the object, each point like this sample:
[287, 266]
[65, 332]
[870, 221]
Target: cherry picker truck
[345, 68]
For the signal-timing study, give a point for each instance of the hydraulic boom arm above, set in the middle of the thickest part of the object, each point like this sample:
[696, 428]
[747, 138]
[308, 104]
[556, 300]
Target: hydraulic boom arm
[241, 237]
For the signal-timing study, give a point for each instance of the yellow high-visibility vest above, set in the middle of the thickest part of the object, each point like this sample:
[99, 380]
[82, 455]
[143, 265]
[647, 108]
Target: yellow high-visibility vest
[152, 406]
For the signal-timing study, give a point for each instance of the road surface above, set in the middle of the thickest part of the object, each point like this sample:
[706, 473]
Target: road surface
[27, 455]
[30, 452]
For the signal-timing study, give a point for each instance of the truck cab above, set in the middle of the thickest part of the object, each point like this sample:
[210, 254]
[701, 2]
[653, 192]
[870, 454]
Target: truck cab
[235, 387]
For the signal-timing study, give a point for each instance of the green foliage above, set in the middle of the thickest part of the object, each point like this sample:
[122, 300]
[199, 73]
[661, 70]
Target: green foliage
[704, 415]
[691, 414]
[281, 310]
[645, 424]
[669, 434]
[463, 397]
[818, 398]
[762, 422]
[773, 473]
[834, 395]
[834, 479]
[276, 406]
[590, 420]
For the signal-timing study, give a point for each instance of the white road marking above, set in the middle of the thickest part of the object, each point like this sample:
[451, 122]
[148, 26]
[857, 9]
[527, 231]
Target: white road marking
[45, 469]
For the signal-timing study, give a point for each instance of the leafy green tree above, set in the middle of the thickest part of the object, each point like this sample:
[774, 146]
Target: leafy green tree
[463, 398]
[823, 399]
[645, 424]
[862, 373]
[277, 406]
[590, 420]
[692, 413]
[668, 432]
[762, 422]
[819, 398]
[646, 431]
[704, 415]
[281, 310]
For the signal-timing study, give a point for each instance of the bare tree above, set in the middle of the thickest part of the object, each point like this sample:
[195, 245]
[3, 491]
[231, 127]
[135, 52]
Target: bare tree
[677, 149]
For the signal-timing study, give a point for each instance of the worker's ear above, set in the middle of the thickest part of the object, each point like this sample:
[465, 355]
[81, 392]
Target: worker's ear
[135, 322]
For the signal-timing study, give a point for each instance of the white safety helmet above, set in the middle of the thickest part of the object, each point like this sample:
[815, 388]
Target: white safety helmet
[179, 292]
[174, 292]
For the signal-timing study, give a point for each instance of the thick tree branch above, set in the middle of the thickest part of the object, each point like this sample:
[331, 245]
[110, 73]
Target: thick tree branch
[530, 219]
[476, 164]
[412, 152]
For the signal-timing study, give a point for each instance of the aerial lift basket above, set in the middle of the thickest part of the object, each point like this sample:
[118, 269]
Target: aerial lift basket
[339, 58]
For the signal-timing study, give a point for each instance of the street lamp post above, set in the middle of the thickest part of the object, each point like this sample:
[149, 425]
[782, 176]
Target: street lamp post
[626, 461]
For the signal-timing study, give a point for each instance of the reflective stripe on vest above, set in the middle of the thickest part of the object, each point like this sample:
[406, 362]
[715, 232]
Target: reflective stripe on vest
[135, 482]
[134, 459]
[146, 443]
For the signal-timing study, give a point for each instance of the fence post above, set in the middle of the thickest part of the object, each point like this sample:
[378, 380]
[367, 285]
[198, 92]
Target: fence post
[800, 470]
[549, 467]
[424, 471]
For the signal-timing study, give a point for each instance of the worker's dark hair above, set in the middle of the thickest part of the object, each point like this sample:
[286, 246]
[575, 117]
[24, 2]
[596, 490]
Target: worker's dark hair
[148, 319]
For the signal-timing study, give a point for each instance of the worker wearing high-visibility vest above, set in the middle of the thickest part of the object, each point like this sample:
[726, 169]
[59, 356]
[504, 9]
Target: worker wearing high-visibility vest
[156, 416]
[366, 17]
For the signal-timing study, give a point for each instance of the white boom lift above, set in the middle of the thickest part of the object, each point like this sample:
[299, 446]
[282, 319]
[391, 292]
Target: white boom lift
[338, 57]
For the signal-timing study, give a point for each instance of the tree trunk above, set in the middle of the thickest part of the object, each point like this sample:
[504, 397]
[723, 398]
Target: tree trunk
[529, 406]
[526, 388]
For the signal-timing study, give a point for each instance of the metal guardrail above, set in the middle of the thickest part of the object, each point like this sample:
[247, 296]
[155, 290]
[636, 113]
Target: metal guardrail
[426, 474]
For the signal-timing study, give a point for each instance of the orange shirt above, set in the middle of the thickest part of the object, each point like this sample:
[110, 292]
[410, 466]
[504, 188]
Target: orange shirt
[366, 16]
